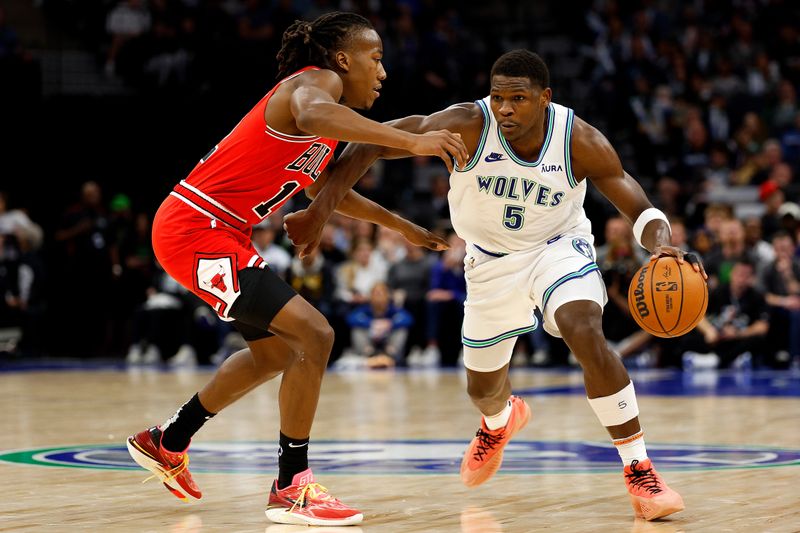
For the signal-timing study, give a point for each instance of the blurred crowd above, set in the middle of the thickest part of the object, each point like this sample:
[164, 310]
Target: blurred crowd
[699, 98]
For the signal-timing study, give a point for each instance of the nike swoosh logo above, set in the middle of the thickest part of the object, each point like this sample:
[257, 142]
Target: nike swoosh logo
[292, 445]
[491, 158]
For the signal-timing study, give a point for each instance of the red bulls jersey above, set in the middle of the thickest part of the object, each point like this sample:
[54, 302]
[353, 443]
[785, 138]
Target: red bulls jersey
[254, 170]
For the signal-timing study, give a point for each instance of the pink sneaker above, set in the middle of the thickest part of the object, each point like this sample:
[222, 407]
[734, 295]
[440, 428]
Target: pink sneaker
[650, 496]
[485, 453]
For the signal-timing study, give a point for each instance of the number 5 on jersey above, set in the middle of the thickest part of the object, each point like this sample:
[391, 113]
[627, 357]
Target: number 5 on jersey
[513, 217]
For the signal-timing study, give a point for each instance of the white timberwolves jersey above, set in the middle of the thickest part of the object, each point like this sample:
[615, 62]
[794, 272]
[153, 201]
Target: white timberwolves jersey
[503, 204]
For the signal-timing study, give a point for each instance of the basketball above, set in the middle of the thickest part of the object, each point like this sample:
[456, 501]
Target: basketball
[667, 298]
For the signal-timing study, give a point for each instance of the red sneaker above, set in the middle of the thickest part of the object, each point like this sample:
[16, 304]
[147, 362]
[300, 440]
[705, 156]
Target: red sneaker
[485, 453]
[172, 468]
[308, 503]
[650, 496]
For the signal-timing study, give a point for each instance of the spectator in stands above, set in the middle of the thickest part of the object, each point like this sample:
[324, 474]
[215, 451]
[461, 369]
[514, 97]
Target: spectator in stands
[786, 108]
[618, 232]
[84, 259]
[164, 325]
[781, 281]
[127, 21]
[12, 302]
[278, 258]
[16, 222]
[312, 277]
[167, 56]
[761, 250]
[378, 330]
[732, 249]
[390, 246]
[329, 245]
[446, 294]
[773, 198]
[356, 277]
[735, 325]
[618, 264]
[408, 280]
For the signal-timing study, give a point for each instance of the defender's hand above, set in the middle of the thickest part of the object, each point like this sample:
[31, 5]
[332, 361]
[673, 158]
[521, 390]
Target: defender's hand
[443, 144]
[681, 256]
[419, 236]
[304, 229]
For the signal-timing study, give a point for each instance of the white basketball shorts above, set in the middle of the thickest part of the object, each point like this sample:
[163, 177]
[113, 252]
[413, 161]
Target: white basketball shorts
[502, 293]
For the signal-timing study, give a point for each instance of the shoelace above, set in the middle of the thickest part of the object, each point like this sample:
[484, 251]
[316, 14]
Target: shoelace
[171, 473]
[486, 442]
[644, 478]
[316, 491]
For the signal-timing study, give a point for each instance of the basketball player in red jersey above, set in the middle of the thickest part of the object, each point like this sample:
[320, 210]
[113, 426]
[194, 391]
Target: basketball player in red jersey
[544, 259]
[201, 236]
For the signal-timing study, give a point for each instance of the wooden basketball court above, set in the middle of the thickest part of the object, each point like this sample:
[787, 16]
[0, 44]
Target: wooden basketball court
[390, 443]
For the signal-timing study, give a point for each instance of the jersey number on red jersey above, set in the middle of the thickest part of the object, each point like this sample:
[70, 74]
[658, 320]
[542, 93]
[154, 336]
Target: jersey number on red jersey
[308, 164]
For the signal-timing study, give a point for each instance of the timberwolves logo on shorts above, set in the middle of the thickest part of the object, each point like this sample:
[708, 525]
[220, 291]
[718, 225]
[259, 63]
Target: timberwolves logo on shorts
[583, 247]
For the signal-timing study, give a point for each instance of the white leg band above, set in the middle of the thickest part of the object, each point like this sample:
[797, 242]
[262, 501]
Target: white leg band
[616, 409]
[648, 215]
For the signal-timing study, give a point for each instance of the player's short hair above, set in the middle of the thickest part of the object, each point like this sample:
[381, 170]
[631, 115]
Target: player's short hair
[314, 43]
[522, 64]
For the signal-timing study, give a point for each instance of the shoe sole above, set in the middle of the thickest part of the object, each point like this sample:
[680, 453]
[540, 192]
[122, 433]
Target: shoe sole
[650, 510]
[493, 465]
[281, 515]
[146, 461]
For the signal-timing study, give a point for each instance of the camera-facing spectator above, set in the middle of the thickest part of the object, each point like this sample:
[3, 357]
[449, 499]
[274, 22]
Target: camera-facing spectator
[378, 329]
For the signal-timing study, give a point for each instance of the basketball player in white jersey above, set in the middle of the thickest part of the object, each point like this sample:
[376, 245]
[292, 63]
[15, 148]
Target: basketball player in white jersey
[518, 204]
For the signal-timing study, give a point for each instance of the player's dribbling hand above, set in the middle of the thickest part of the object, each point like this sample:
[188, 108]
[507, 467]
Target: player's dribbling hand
[443, 144]
[419, 236]
[304, 230]
[681, 256]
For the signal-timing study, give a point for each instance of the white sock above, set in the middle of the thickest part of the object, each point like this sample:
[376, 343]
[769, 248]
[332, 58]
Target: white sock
[500, 419]
[631, 448]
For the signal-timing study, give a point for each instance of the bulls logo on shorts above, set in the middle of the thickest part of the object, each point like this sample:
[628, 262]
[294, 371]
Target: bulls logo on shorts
[216, 275]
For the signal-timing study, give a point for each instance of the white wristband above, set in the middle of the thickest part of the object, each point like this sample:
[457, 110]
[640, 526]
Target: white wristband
[647, 215]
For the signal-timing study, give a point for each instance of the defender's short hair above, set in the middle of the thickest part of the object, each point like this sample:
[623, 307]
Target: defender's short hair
[522, 64]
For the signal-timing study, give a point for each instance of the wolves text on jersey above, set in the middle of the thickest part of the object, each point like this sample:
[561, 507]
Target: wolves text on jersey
[514, 188]
[310, 161]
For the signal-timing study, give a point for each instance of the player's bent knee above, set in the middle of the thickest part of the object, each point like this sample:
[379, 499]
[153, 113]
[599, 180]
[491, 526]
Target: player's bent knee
[486, 385]
[579, 319]
[317, 340]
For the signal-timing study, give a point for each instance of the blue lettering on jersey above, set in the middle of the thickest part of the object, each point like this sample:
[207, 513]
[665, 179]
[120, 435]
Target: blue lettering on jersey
[500, 184]
[508, 188]
[542, 194]
[484, 183]
[552, 168]
[512, 189]
[527, 188]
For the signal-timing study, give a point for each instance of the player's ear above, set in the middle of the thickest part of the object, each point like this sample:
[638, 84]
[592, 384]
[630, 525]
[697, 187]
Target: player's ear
[342, 61]
[545, 96]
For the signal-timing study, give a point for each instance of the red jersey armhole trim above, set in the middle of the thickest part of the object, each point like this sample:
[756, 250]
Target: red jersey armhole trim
[279, 134]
